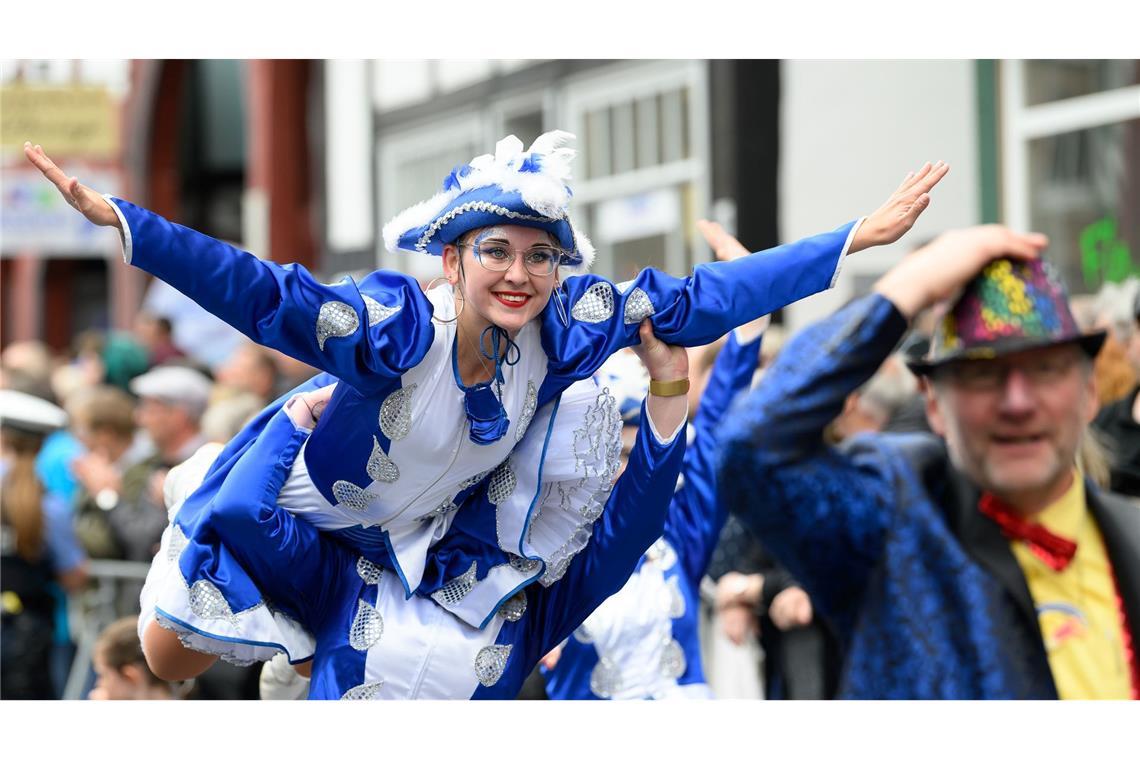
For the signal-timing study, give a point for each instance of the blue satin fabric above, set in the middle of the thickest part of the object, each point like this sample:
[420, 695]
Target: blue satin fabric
[692, 525]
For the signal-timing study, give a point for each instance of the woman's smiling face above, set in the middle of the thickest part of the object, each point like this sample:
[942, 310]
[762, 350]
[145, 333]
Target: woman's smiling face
[508, 298]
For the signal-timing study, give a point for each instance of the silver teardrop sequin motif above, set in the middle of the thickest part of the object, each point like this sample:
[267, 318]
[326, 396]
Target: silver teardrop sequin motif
[379, 466]
[502, 485]
[366, 628]
[491, 662]
[396, 413]
[351, 496]
[455, 589]
[363, 691]
[605, 679]
[672, 660]
[474, 479]
[529, 406]
[207, 602]
[336, 319]
[368, 571]
[377, 312]
[596, 304]
[446, 507]
[513, 609]
[638, 307]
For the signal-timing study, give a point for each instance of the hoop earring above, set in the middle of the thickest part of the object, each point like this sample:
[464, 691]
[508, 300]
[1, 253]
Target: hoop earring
[557, 296]
[453, 320]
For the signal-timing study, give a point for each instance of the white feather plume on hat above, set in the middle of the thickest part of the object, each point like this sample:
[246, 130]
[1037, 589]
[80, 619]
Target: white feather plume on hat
[539, 175]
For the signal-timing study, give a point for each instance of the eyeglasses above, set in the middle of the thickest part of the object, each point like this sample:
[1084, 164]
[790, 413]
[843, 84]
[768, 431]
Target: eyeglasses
[541, 261]
[989, 375]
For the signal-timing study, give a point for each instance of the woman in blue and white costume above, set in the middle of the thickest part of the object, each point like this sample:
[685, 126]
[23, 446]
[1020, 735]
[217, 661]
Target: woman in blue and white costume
[371, 642]
[642, 642]
[440, 390]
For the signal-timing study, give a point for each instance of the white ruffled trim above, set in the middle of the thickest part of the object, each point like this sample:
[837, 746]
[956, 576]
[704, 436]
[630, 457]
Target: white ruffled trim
[125, 237]
[846, 247]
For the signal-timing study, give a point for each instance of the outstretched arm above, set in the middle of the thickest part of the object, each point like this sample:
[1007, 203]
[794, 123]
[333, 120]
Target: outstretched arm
[718, 296]
[363, 334]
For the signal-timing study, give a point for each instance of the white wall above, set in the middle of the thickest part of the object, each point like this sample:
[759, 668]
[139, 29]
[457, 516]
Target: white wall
[348, 146]
[850, 132]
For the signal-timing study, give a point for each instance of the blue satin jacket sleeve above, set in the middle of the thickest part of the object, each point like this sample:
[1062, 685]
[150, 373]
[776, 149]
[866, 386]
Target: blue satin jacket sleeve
[697, 514]
[821, 510]
[633, 519]
[363, 334]
[285, 555]
[685, 311]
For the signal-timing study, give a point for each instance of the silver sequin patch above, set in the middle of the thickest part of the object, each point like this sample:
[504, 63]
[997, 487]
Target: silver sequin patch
[178, 542]
[379, 466]
[474, 479]
[446, 507]
[336, 319]
[605, 679]
[396, 413]
[503, 483]
[491, 662]
[351, 495]
[363, 691]
[529, 406]
[377, 312]
[596, 304]
[676, 598]
[523, 565]
[207, 602]
[638, 307]
[672, 663]
[513, 609]
[368, 571]
[455, 589]
[366, 628]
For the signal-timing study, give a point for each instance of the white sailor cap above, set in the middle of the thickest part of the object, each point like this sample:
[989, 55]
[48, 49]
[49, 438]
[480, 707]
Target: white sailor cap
[174, 385]
[24, 411]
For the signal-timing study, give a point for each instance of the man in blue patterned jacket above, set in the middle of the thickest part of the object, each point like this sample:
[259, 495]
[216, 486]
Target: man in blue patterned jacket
[979, 564]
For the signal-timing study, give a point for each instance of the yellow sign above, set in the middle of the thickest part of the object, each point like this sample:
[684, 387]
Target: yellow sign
[74, 121]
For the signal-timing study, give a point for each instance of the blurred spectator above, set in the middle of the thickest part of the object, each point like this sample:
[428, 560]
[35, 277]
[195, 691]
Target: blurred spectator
[170, 406]
[155, 333]
[878, 402]
[1118, 425]
[37, 549]
[249, 369]
[114, 358]
[32, 359]
[225, 418]
[290, 372]
[103, 419]
[121, 670]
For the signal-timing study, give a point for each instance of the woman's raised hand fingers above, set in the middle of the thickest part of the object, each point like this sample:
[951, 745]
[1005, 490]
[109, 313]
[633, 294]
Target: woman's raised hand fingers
[937, 172]
[40, 160]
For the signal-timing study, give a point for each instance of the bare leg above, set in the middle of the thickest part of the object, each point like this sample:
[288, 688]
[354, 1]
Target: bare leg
[168, 658]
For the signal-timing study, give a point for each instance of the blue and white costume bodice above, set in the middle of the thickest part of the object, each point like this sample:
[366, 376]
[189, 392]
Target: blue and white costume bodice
[371, 641]
[389, 458]
[643, 642]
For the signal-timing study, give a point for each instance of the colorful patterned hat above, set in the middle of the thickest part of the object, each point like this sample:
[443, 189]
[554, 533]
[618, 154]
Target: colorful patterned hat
[1010, 306]
[511, 187]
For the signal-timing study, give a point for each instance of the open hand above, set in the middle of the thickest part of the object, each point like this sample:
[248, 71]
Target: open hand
[894, 218]
[81, 198]
[940, 269]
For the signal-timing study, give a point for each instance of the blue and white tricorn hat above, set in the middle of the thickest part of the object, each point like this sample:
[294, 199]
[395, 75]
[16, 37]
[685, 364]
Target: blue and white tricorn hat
[513, 186]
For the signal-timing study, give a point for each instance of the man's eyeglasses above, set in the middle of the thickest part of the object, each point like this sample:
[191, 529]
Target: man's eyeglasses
[992, 375]
[540, 261]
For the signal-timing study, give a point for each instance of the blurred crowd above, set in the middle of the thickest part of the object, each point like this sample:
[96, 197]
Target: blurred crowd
[83, 484]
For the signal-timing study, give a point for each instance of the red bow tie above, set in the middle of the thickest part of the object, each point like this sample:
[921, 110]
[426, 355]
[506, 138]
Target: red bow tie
[1054, 551]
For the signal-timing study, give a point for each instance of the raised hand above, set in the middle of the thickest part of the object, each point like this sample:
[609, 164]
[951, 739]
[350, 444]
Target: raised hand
[938, 270]
[82, 198]
[894, 218]
[725, 246]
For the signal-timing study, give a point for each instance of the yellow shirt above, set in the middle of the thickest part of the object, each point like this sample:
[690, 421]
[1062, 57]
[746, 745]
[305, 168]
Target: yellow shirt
[1076, 607]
